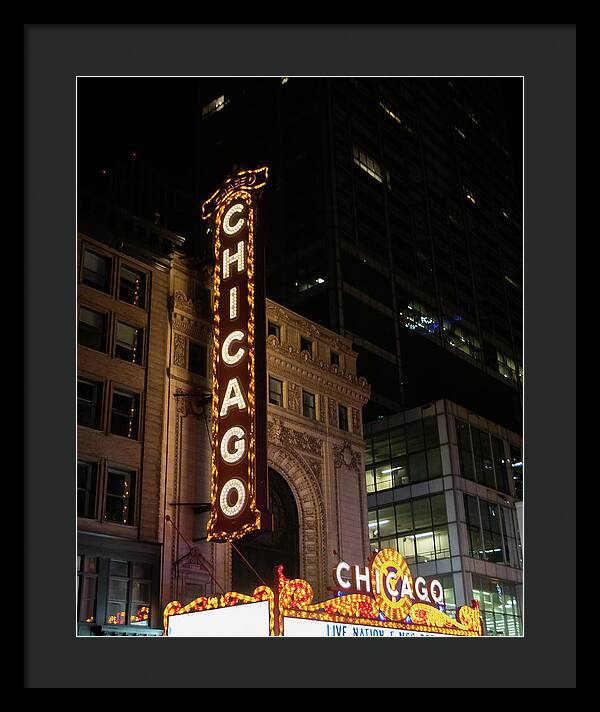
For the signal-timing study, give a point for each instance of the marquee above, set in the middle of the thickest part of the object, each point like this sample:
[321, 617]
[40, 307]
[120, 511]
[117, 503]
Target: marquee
[394, 605]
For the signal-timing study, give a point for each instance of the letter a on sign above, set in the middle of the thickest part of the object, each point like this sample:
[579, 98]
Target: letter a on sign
[239, 489]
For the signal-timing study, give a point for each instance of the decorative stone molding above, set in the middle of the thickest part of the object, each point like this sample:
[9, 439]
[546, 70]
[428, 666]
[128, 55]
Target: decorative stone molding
[356, 426]
[181, 401]
[345, 456]
[287, 437]
[200, 330]
[179, 349]
[322, 408]
[195, 307]
[308, 328]
[332, 412]
[288, 351]
[347, 387]
[293, 396]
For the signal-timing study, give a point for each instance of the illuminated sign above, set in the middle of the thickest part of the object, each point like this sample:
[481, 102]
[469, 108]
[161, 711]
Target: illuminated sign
[239, 492]
[396, 607]
[389, 579]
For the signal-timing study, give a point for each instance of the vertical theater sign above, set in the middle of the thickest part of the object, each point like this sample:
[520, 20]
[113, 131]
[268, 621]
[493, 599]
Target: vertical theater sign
[378, 600]
[239, 490]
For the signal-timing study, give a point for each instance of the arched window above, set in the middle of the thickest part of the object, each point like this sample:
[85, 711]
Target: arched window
[268, 550]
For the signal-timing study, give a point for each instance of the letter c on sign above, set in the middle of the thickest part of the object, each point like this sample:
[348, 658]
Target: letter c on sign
[228, 228]
[338, 574]
[229, 358]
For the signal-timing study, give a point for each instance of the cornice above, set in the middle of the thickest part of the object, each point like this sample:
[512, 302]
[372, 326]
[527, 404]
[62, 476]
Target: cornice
[331, 380]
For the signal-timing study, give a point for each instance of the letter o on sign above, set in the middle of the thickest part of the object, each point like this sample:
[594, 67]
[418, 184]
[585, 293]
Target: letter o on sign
[436, 591]
[233, 498]
[228, 228]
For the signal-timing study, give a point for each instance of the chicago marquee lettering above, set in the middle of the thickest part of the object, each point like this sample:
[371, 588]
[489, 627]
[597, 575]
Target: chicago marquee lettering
[238, 493]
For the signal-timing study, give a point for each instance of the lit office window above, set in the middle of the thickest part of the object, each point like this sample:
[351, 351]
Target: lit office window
[96, 270]
[129, 340]
[417, 528]
[367, 164]
[470, 195]
[418, 317]
[404, 455]
[498, 605]
[461, 338]
[517, 470]
[492, 532]
[506, 366]
[213, 107]
[405, 125]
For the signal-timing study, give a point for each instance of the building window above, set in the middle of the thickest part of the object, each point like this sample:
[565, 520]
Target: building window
[506, 366]
[334, 358]
[197, 358]
[500, 465]
[129, 343]
[96, 271]
[274, 330]
[275, 391]
[87, 588]
[129, 593]
[89, 403]
[343, 417]
[306, 345]
[492, 532]
[125, 414]
[396, 118]
[86, 489]
[308, 405]
[417, 528]
[367, 164]
[214, 106]
[119, 501]
[404, 455]
[498, 605]
[132, 287]
[517, 469]
[92, 329]
[470, 195]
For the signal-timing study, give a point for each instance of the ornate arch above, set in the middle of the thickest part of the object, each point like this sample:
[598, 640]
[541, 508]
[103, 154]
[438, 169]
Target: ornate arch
[311, 511]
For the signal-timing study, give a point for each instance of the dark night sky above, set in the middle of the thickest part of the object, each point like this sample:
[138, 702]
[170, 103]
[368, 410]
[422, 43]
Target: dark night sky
[158, 119]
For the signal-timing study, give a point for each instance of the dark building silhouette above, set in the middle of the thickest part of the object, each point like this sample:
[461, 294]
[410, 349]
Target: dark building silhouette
[394, 218]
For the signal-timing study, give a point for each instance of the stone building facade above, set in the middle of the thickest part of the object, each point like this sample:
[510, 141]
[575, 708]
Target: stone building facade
[143, 436]
[315, 445]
